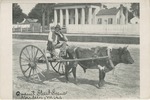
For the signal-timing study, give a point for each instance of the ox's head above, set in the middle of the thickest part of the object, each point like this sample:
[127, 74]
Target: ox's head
[125, 56]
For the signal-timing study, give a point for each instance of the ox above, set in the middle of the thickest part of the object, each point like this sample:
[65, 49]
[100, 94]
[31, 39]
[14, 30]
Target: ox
[115, 56]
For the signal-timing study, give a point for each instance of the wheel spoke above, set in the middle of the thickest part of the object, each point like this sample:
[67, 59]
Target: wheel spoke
[25, 65]
[25, 59]
[28, 52]
[40, 73]
[37, 75]
[36, 53]
[59, 67]
[25, 55]
[40, 68]
[32, 52]
[40, 57]
[33, 71]
[30, 72]
[26, 69]
[56, 64]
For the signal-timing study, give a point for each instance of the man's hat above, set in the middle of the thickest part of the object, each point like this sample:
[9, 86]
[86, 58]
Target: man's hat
[58, 26]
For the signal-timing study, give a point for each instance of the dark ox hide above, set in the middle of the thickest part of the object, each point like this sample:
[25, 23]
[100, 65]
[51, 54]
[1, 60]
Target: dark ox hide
[118, 55]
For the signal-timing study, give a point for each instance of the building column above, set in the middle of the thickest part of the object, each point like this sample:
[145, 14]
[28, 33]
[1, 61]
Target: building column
[48, 21]
[76, 16]
[83, 16]
[90, 16]
[67, 17]
[61, 18]
[55, 16]
[72, 12]
[94, 18]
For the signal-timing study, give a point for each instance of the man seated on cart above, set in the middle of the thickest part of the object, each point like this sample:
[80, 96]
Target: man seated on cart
[57, 42]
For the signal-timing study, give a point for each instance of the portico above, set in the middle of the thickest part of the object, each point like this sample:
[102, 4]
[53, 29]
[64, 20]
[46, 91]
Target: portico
[66, 14]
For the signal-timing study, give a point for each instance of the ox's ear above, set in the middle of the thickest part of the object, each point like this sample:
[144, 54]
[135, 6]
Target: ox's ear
[110, 48]
[92, 48]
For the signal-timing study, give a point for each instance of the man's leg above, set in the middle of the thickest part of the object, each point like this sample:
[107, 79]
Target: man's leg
[59, 45]
[62, 46]
[51, 49]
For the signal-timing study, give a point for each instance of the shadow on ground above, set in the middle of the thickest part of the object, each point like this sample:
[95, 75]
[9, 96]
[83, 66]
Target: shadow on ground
[53, 76]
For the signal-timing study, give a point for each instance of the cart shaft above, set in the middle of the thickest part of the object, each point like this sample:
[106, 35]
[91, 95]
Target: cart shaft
[82, 59]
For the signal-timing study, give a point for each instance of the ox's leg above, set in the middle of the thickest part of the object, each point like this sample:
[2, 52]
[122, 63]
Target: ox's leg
[74, 71]
[67, 69]
[101, 76]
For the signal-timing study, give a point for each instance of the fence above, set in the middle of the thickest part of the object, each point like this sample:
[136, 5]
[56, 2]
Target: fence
[27, 28]
[104, 29]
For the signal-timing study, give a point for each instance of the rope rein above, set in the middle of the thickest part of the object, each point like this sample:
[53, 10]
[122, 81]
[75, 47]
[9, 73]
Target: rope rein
[110, 59]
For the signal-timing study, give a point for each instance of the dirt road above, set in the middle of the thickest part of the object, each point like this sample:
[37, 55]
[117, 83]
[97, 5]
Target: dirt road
[124, 83]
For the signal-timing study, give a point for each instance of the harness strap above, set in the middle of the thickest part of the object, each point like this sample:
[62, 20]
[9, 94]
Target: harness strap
[75, 52]
[109, 58]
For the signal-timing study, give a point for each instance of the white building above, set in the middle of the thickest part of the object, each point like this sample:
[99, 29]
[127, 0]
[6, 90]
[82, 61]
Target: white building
[92, 18]
[75, 13]
[135, 20]
[111, 16]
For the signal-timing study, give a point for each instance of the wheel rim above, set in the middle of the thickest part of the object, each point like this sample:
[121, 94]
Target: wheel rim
[33, 63]
[59, 67]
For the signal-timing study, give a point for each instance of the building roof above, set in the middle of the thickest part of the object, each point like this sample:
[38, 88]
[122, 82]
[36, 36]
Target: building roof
[111, 11]
[134, 20]
[76, 4]
[27, 21]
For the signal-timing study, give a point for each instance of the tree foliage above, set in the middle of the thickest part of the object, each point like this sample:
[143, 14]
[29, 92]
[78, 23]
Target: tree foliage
[135, 8]
[39, 9]
[18, 15]
[125, 10]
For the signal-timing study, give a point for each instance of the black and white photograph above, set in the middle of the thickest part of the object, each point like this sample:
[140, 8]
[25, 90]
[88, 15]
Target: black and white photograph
[76, 50]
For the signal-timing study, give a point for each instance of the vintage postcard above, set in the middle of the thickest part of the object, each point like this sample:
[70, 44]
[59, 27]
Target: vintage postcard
[75, 50]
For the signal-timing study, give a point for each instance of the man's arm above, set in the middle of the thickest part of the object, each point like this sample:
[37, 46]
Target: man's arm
[63, 36]
[50, 36]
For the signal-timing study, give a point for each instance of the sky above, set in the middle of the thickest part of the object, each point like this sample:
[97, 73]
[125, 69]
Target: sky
[117, 5]
[27, 7]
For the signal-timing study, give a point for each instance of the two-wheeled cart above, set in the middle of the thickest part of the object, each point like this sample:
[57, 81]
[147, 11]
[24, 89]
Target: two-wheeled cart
[34, 63]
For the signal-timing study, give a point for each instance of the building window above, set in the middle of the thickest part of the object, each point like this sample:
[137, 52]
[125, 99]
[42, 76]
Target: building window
[99, 21]
[110, 21]
[118, 21]
[69, 21]
[79, 21]
[64, 22]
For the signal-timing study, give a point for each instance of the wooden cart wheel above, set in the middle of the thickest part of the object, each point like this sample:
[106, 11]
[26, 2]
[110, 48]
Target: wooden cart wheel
[59, 67]
[33, 63]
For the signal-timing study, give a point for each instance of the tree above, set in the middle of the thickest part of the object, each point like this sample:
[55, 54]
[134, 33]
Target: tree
[36, 13]
[18, 15]
[135, 8]
[41, 9]
[125, 11]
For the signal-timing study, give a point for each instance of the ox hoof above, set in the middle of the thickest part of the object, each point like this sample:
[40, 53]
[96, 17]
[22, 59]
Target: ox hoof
[101, 84]
[67, 81]
[76, 83]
